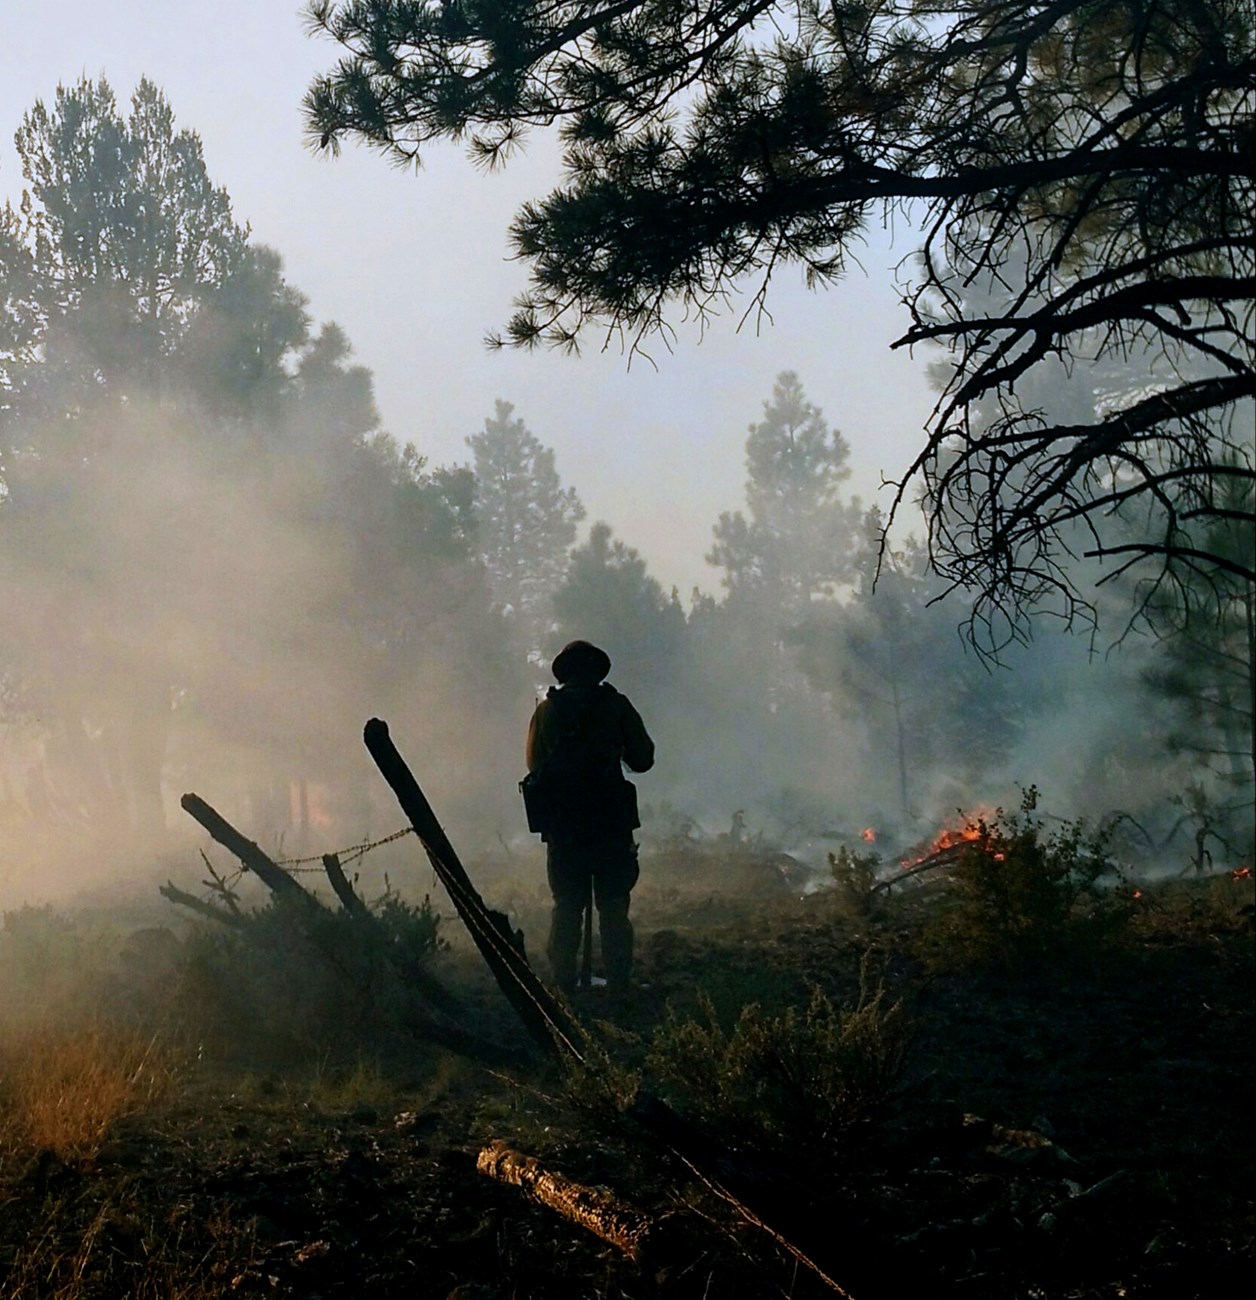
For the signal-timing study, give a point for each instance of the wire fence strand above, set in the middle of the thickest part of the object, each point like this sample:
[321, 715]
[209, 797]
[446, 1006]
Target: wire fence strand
[354, 853]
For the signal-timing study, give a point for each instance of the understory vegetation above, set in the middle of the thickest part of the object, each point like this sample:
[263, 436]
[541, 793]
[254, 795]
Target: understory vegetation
[1015, 1073]
[236, 984]
[1023, 894]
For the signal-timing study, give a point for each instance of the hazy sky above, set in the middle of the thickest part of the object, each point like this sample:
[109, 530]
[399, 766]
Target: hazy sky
[415, 267]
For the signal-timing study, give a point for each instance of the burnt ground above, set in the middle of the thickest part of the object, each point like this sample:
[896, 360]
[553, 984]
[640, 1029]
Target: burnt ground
[1078, 1128]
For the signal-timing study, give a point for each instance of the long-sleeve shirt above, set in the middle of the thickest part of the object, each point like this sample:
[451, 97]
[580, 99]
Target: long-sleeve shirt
[611, 718]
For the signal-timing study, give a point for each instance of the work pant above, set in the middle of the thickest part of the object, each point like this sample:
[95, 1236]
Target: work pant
[609, 863]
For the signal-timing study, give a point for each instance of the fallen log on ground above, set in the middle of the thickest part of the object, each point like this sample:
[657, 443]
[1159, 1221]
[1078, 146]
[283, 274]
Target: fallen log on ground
[638, 1235]
[547, 1022]
[946, 857]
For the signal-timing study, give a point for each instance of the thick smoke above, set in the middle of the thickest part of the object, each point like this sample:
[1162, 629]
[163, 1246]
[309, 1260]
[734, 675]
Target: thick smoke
[186, 621]
[215, 566]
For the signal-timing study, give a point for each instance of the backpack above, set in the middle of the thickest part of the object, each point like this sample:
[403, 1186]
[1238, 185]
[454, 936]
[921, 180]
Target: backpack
[580, 788]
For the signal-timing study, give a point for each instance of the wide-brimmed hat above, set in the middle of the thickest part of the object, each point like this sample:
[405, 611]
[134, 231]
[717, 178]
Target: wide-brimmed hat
[581, 659]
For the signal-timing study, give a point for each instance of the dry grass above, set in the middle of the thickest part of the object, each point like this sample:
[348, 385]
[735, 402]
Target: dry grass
[62, 1084]
[118, 1253]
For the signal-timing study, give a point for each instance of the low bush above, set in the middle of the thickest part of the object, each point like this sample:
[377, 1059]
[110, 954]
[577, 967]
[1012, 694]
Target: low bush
[289, 982]
[1020, 893]
[854, 876]
[49, 962]
[799, 1081]
[1204, 907]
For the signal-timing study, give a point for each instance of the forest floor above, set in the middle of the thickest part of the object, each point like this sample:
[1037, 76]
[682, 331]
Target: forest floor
[1078, 1127]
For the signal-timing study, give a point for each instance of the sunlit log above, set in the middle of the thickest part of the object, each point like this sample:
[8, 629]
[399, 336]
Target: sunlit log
[623, 1226]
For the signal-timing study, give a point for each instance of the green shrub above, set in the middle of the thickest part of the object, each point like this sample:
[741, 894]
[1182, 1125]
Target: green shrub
[803, 1079]
[290, 981]
[1020, 893]
[50, 962]
[854, 875]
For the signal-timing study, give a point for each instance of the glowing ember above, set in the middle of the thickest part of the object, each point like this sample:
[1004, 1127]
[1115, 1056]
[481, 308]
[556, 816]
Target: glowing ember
[868, 835]
[1138, 893]
[1241, 873]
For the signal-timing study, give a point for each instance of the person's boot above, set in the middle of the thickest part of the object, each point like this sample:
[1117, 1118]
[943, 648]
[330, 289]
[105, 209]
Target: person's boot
[617, 937]
[564, 946]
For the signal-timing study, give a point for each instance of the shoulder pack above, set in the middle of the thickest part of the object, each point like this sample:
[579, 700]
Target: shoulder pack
[580, 788]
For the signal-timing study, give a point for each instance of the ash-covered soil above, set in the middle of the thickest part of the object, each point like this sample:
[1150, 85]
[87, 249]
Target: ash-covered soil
[1079, 1129]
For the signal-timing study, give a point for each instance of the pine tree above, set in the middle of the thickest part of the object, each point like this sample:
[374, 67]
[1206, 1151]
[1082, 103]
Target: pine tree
[797, 545]
[611, 599]
[1093, 160]
[526, 521]
[126, 233]
[1204, 664]
[199, 508]
[893, 664]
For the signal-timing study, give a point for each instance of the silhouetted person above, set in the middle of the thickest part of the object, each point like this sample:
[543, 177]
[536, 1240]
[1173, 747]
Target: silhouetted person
[586, 811]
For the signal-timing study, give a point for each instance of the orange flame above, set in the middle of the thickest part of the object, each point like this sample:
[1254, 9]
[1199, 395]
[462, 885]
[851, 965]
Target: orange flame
[868, 835]
[951, 836]
[1241, 873]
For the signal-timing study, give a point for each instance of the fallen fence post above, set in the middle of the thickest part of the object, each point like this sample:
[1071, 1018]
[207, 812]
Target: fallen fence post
[274, 877]
[543, 1016]
[435, 1025]
[341, 887]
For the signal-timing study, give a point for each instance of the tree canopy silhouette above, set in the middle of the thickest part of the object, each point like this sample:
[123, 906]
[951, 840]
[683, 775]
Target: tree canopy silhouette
[1089, 164]
[208, 545]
